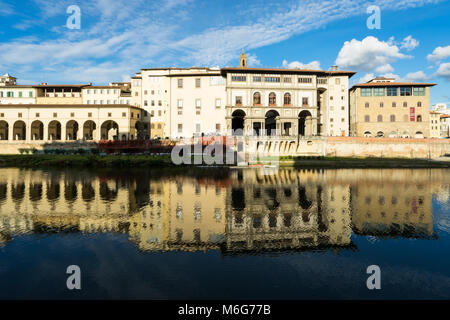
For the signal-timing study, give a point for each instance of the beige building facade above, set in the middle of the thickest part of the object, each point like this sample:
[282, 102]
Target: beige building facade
[34, 122]
[290, 102]
[385, 108]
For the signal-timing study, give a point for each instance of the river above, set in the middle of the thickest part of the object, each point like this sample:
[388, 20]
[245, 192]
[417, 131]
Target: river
[225, 233]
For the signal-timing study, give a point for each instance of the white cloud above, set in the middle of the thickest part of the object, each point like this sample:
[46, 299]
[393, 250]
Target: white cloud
[146, 34]
[409, 43]
[252, 60]
[439, 53]
[313, 65]
[368, 54]
[418, 76]
[366, 78]
[384, 68]
[444, 71]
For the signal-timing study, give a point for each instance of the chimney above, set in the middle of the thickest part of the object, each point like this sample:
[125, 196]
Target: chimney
[334, 68]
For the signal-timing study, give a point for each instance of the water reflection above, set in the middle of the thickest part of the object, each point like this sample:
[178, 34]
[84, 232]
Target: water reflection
[237, 211]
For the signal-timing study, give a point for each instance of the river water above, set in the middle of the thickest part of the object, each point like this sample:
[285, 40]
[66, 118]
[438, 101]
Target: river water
[225, 233]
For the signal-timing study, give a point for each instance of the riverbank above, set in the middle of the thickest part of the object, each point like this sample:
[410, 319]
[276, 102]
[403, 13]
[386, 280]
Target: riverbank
[164, 161]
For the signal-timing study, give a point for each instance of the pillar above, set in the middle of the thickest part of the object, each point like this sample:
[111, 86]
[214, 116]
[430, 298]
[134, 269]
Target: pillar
[45, 132]
[308, 126]
[11, 132]
[314, 126]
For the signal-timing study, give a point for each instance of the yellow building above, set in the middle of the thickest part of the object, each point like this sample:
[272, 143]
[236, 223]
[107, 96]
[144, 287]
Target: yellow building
[385, 108]
[435, 125]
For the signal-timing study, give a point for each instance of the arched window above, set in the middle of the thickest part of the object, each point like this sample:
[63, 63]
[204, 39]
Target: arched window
[367, 134]
[366, 118]
[392, 118]
[256, 99]
[380, 134]
[272, 99]
[287, 99]
[419, 118]
[380, 118]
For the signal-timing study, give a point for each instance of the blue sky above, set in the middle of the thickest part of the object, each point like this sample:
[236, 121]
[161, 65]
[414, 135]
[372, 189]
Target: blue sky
[118, 38]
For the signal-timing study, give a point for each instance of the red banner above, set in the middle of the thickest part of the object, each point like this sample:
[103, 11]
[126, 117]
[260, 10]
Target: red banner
[412, 114]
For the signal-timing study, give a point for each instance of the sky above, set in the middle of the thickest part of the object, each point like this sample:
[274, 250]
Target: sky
[118, 38]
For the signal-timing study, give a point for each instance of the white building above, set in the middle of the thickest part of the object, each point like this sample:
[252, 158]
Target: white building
[294, 102]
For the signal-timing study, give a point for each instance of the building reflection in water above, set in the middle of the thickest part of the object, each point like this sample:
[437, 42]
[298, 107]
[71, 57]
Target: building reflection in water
[241, 211]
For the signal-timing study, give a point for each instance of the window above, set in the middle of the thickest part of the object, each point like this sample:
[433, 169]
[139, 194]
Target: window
[419, 104]
[305, 101]
[287, 99]
[379, 92]
[342, 119]
[257, 79]
[366, 92]
[272, 79]
[272, 99]
[338, 81]
[153, 103]
[304, 80]
[405, 91]
[159, 113]
[381, 104]
[19, 115]
[180, 84]
[218, 103]
[239, 78]
[405, 104]
[30, 94]
[419, 91]
[145, 92]
[392, 118]
[367, 118]
[145, 103]
[367, 104]
[159, 126]
[89, 114]
[238, 100]
[217, 127]
[392, 91]
[287, 80]
[160, 103]
[394, 104]
[109, 114]
[419, 118]
[256, 99]
[380, 118]
[198, 82]
[55, 115]
[124, 114]
[180, 103]
[72, 114]
[38, 115]
[343, 108]
[180, 128]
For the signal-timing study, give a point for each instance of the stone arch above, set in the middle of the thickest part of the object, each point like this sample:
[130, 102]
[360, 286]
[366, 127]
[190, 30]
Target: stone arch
[271, 121]
[89, 130]
[367, 134]
[4, 130]
[19, 130]
[237, 122]
[72, 130]
[109, 130]
[54, 130]
[304, 123]
[37, 130]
